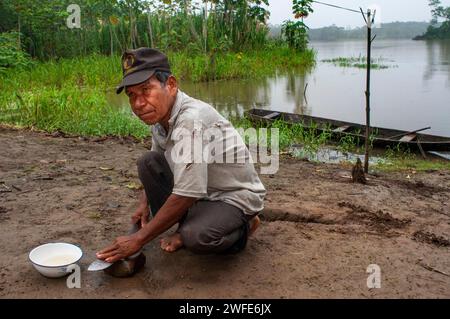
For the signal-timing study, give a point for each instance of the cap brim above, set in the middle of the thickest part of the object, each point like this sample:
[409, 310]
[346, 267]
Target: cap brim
[134, 79]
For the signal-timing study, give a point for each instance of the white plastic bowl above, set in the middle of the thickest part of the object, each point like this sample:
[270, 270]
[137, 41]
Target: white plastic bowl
[52, 260]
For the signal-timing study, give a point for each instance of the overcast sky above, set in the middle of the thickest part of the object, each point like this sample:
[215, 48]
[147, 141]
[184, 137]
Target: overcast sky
[390, 10]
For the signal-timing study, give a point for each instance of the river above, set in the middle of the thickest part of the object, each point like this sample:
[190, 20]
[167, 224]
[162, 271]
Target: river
[414, 92]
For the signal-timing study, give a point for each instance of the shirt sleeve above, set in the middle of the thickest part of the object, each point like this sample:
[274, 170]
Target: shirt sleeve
[190, 170]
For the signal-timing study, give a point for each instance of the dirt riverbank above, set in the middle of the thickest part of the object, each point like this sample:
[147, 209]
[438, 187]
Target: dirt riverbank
[319, 232]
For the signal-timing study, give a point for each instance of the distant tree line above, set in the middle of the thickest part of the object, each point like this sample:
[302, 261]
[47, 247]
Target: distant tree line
[393, 30]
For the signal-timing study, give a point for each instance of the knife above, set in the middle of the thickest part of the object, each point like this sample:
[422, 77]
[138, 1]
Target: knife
[99, 264]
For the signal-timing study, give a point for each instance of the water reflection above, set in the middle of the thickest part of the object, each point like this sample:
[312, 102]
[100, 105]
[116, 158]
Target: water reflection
[233, 97]
[283, 92]
[438, 60]
[296, 88]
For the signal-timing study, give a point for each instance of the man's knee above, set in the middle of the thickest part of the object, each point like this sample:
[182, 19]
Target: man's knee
[197, 240]
[203, 241]
[148, 160]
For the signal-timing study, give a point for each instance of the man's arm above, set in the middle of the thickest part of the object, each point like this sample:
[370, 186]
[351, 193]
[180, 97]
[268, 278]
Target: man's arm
[142, 211]
[169, 214]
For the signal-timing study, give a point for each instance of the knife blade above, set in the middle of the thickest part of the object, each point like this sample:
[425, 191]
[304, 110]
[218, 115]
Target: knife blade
[99, 264]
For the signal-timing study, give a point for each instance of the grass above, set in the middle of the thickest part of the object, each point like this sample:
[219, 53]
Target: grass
[402, 159]
[427, 165]
[415, 164]
[70, 94]
[70, 110]
[105, 72]
[248, 65]
[309, 137]
[359, 62]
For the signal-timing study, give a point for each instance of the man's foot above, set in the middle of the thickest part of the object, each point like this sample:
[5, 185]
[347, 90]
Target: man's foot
[254, 224]
[171, 243]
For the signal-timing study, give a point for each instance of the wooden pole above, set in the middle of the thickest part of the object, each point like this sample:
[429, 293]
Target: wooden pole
[369, 21]
[421, 149]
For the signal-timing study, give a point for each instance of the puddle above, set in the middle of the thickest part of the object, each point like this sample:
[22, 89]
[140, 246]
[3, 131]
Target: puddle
[332, 156]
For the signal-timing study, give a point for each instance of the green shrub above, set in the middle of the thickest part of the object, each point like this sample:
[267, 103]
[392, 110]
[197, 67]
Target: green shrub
[11, 54]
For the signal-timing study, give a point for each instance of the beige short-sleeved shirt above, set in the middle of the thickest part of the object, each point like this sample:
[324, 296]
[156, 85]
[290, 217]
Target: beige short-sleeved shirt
[208, 157]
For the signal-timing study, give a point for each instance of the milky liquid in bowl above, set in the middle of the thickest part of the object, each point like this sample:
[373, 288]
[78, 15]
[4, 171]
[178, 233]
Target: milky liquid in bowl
[59, 260]
[53, 259]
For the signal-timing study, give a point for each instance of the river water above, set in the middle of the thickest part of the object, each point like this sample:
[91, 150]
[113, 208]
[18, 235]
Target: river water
[414, 92]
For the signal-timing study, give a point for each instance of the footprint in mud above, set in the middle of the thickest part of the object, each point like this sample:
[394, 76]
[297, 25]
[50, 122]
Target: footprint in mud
[430, 238]
[71, 235]
[378, 220]
[3, 212]
[421, 188]
[62, 234]
[272, 215]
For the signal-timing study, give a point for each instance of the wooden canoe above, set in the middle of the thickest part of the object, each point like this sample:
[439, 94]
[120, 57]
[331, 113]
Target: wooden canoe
[382, 137]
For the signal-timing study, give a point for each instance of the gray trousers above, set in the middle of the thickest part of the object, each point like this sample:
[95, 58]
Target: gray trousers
[208, 227]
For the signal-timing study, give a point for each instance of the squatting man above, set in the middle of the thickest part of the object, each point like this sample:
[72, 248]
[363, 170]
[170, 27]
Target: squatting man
[214, 201]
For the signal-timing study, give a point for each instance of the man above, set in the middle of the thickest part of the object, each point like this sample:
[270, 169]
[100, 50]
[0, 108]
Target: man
[215, 202]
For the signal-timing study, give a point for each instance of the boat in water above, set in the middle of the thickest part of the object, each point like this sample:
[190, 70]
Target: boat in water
[381, 137]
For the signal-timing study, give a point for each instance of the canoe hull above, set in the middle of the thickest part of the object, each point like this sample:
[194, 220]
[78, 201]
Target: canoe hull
[383, 137]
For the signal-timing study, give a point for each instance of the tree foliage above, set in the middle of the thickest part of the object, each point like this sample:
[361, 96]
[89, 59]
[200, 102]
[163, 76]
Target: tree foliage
[295, 32]
[11, 54]
[110, 26]
[435, 31]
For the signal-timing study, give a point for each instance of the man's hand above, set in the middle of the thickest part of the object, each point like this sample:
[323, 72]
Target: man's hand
[168, 215]
[123, 247]
[142, 212]
[141, 215]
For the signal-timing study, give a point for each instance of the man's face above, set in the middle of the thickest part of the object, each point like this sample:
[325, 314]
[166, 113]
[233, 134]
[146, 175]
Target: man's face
[151, 101]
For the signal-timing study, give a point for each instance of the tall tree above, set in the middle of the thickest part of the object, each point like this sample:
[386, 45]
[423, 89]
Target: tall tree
[295, 32]
[438, 10]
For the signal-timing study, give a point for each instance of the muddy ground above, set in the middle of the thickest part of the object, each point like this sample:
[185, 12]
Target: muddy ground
[319, 232]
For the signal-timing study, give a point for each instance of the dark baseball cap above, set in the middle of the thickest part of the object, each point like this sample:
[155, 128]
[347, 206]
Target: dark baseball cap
[140, 64]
